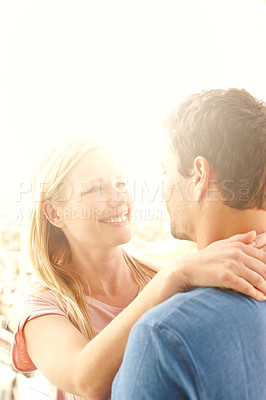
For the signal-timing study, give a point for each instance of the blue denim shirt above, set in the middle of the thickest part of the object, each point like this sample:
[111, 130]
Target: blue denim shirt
[204, 344]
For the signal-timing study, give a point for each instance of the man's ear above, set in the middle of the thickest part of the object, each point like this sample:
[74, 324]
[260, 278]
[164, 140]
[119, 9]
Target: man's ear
[202, 176]
[52, 214]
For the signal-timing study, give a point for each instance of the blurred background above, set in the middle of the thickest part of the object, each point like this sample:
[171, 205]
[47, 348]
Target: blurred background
[109, 70]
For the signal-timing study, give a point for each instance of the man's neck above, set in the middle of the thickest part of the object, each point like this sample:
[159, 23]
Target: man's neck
[222, 222]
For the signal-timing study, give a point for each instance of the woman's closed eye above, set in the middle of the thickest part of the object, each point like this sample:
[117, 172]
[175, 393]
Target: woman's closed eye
[98, 188]
[93, 189]
[121, 185]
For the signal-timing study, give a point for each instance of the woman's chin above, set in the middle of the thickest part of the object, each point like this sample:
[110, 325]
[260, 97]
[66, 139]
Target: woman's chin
[124, 239]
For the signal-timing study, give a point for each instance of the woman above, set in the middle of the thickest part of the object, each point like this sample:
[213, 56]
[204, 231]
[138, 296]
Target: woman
[91, 292]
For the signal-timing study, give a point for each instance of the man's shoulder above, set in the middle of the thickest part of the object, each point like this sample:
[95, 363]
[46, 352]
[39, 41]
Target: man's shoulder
[204, 309]
[196, 338]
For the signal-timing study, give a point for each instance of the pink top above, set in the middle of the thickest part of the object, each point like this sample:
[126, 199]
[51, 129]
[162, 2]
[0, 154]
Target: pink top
[43, 303]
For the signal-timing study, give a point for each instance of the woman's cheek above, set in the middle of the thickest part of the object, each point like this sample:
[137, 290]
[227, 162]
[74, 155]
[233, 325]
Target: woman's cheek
[130, 205]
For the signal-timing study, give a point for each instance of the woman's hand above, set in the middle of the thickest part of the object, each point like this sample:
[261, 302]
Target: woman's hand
[260, 241]
[237, 263]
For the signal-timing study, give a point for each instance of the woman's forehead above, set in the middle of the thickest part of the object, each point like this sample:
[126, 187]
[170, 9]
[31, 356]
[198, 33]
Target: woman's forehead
[96, 164]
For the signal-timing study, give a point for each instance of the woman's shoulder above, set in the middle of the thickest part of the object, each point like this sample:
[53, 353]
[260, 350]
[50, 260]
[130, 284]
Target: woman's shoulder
[40, 293]
[39, 300]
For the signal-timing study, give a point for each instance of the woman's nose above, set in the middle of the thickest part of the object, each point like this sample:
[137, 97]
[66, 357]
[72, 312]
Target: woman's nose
[118, 195]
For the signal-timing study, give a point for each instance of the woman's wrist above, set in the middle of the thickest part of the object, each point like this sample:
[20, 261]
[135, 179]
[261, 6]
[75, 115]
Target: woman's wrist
[175, 277]
[191, 270]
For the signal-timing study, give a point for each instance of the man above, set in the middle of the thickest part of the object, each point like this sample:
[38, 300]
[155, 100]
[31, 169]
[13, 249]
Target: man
[206, 343]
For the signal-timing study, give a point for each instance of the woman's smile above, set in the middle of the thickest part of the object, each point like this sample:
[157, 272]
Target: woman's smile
[117, 219]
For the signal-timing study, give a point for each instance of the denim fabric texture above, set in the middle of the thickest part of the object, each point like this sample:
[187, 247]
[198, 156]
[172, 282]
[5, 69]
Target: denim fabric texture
[204, 344]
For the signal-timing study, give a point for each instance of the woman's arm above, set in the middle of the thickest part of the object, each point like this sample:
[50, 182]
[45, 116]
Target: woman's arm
[66, 358]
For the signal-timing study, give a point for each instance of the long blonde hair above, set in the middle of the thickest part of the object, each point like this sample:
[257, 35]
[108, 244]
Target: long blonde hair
[49, 250]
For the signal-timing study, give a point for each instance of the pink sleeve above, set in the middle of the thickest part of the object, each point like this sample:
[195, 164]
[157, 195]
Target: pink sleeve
[43, 303]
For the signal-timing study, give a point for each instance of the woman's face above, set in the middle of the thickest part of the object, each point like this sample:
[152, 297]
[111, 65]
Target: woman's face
[97, 208]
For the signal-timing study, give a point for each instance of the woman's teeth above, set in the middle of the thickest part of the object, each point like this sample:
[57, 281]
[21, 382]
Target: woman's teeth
[116, 219]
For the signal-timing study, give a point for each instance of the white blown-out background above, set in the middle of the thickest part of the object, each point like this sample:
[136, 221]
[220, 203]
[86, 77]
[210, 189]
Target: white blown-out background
[110, 70]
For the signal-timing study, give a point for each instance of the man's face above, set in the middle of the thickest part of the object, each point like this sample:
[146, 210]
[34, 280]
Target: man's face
[177, 197]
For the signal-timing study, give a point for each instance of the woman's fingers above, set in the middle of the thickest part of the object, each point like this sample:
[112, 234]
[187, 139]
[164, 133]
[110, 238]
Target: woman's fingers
[254, 259]
[260, 241]
[251, 238]
[247, 237]
[241, 285]
[254, 278]
[247, 272]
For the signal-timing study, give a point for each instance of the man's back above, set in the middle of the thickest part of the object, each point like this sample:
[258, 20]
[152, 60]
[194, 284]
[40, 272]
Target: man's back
[205, 344]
